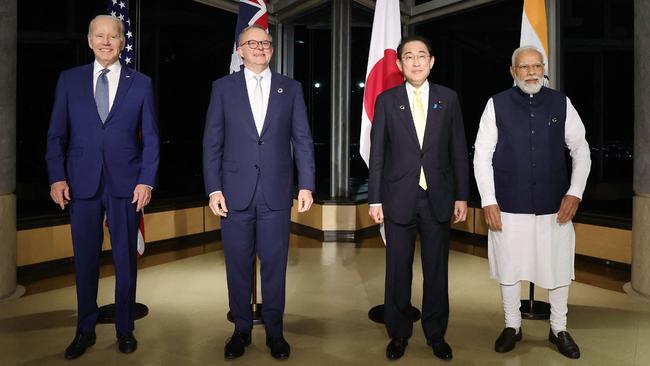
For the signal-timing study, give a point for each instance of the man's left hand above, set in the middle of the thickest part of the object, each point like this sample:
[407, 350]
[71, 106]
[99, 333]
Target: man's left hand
[460, 211]
[568, 209]
[305, 200]
[141, 195]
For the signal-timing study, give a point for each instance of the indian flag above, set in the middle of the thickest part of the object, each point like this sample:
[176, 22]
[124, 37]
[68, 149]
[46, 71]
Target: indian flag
[534, 31]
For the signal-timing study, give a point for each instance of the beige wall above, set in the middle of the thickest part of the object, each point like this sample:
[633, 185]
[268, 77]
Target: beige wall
[54, 242]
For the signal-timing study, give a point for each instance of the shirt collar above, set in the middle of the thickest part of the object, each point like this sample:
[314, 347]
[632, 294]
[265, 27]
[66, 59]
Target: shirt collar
[114, 67]
[266, 74]
[423, 89]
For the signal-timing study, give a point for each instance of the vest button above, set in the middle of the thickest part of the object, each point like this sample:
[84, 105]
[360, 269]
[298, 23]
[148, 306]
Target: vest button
[532, 114]
[532, 132]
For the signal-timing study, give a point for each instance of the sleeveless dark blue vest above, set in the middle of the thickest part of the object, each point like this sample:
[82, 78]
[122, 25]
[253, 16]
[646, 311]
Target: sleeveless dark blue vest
[530, 170]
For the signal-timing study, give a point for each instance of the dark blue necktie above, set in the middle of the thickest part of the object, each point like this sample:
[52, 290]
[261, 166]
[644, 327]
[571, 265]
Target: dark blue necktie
[101, 95]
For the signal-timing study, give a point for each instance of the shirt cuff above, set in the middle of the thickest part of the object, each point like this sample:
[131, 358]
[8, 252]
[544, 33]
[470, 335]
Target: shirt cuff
[374, 204]
[215, 192]
[488, 201]
[573, 191]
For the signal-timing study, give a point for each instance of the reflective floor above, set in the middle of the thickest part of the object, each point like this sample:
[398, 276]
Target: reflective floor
[330, 288]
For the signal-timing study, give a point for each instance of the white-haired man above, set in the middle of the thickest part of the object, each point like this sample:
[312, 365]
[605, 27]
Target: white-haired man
[529, 195]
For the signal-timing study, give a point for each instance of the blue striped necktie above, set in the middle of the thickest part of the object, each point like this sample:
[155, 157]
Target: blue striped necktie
[101, 95]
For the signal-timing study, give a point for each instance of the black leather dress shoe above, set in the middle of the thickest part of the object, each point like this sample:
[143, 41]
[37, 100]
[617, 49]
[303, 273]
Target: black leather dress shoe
[126, 342]
[280, 348]
[79, 344]
[507, 339]
[236, 345]
[442, 350]
[565, 344]
[396, 348]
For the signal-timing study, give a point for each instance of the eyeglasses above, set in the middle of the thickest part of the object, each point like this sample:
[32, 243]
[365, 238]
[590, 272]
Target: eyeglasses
[409, 59]
[527, 67]
[253, 44]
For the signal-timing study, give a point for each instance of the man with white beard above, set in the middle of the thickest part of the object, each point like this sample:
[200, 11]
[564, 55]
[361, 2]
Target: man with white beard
[529, 195]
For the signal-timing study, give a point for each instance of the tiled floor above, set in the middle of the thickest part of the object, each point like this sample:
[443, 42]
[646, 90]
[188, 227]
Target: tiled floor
[330, 288]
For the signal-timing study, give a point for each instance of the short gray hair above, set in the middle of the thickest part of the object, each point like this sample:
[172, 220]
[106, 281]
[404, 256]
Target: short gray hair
[523, 49]
[116, 20]
[254, 26]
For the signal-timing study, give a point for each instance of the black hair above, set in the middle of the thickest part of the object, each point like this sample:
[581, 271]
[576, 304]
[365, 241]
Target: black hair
[413, 38]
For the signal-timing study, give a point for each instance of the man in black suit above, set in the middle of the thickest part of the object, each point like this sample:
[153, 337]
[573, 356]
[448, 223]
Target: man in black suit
[418, 180]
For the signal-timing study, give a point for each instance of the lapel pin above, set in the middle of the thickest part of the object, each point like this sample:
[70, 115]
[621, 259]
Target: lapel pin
[437, 105]
[280, 90]
[402, 107]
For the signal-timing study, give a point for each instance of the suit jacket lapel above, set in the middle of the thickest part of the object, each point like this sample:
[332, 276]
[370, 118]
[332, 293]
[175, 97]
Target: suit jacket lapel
[248, 109]
[88, 90]
[432, 114]
[274, 98]
[405, 110]
[126, 79]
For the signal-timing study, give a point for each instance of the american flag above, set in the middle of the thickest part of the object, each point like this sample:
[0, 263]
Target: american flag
[120, 9]
[250, 12]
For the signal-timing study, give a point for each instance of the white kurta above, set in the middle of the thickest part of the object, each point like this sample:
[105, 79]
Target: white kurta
[531, 247]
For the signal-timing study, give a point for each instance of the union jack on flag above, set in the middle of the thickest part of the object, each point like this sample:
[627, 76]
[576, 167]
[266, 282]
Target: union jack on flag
[250, 12]
[120, 9]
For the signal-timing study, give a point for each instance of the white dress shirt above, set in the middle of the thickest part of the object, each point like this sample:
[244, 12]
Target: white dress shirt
[251, 83]
[424, 96]
[113, 80]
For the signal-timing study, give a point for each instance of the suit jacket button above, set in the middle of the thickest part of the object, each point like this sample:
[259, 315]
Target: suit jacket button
[260, 142]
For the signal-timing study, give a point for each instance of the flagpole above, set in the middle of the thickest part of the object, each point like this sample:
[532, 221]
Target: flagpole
[534, 31]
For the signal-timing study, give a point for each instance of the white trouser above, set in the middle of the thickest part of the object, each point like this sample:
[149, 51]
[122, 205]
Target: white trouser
[558, 297]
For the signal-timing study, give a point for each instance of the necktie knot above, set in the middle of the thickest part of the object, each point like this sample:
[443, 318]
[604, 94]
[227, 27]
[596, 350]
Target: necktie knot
[104, 72]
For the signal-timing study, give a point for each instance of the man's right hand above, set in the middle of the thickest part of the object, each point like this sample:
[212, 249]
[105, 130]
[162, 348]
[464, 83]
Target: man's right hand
[492, 215]
[60, 193]
[218, 204]
[376, 213]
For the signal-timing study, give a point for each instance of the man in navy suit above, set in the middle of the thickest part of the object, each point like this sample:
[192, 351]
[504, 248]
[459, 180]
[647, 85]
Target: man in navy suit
[102, 158]
[255, 122]
[418, 180]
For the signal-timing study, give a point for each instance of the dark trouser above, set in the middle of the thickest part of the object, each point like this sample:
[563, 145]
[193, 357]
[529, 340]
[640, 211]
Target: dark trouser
[87, 225]
[256, 230]
[400, 246]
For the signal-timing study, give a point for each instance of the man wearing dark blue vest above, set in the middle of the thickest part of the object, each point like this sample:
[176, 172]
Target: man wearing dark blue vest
[418, 181]
[102, 159]
[528, 194]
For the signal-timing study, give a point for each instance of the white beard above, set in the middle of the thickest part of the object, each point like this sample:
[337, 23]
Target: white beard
[529, 88]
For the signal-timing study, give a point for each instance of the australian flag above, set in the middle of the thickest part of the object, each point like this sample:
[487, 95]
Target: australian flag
[120, 9]
[250, 12]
